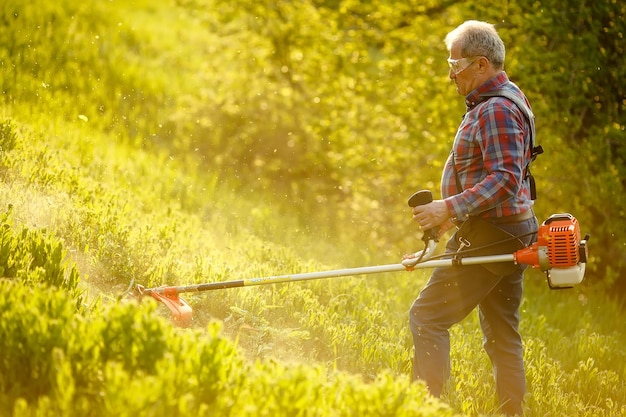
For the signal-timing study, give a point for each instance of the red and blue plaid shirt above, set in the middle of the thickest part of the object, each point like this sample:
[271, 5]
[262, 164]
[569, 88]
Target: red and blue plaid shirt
[491, 151]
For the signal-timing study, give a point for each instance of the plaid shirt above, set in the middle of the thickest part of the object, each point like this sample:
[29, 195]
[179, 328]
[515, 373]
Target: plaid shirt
[491, 152]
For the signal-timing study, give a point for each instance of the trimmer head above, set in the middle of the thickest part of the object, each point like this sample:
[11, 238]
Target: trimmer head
[181, 311]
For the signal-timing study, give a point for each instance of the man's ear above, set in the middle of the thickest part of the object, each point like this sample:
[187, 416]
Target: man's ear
[483, 64]
[485, 67]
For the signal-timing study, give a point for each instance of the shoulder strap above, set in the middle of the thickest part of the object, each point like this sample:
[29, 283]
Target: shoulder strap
[514, 98]
[517, 100]
[534, 150]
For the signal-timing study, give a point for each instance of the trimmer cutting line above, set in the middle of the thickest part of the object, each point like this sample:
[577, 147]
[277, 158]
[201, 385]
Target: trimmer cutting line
[559, 252]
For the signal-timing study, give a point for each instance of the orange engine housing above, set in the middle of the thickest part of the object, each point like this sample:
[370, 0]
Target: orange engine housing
[562, 236]
[557, 244]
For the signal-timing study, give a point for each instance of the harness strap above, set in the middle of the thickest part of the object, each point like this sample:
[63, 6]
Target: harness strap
[530, 117]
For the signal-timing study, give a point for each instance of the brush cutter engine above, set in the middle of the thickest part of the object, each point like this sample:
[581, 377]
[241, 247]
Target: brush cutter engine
[558, 251]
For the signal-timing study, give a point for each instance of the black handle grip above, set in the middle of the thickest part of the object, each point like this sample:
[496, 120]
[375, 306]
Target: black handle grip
[419, 199]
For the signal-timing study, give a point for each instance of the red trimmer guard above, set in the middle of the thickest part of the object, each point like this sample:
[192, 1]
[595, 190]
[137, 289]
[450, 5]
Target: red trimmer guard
[181, 311]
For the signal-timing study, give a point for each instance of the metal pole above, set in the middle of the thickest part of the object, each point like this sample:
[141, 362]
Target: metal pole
[306, 276]
[182, 312]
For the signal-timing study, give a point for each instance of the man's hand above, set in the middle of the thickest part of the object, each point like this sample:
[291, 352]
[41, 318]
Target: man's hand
[433, 214]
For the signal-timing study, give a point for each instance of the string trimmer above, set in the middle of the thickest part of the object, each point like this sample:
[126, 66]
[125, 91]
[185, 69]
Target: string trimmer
[558, 251]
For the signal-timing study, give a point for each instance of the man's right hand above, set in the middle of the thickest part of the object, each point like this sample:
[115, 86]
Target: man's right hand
[433, 214]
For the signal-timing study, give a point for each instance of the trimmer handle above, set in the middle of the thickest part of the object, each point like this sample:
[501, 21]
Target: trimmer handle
[419, 199]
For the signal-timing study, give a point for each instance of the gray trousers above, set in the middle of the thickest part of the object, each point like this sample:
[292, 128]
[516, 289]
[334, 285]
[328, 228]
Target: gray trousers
[448, 297]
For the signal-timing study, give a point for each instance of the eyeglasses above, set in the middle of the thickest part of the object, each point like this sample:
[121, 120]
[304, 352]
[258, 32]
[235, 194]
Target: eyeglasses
[458, 65]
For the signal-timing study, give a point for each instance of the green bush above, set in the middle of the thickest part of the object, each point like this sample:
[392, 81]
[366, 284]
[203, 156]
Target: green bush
[34, 257]
[124, 361]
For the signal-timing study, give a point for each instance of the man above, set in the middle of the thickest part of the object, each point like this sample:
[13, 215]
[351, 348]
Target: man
[485, 176]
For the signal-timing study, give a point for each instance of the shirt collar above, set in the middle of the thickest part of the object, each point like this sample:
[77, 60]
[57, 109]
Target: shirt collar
[474, 98]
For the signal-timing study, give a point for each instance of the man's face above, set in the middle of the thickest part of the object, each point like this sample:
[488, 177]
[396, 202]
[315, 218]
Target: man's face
[462, 71]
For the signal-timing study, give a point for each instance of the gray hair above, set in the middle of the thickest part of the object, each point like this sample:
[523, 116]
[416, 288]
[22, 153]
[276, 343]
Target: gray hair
[478, 39]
